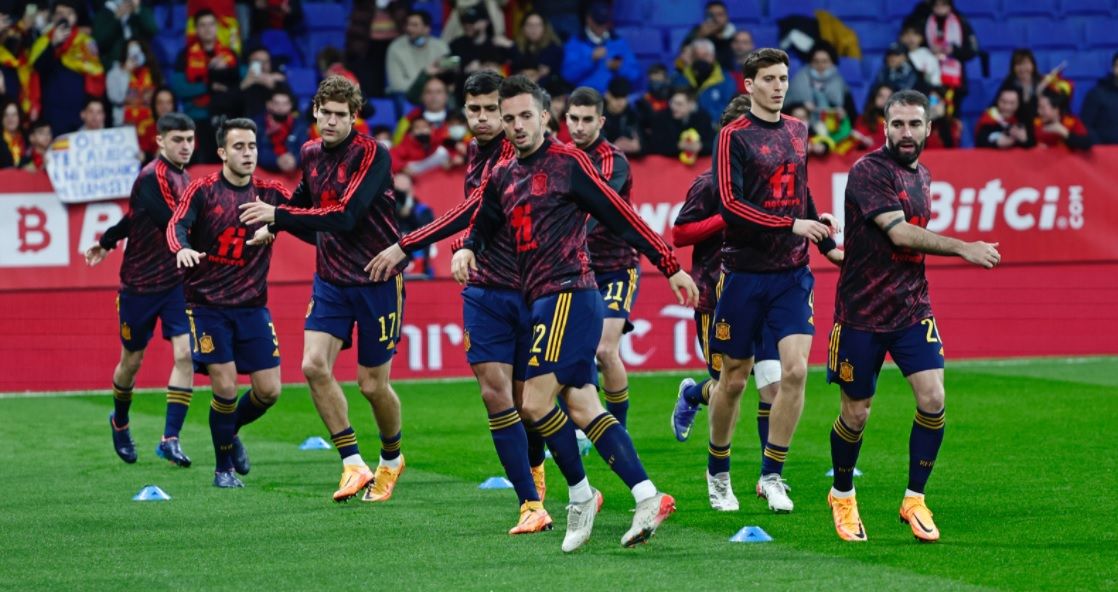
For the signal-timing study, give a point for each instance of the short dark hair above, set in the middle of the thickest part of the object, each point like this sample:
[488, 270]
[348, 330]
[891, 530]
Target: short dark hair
[283, 89]
[908, 97]
[202, 13]
[1058, 99]
[716, 3]
[174, 122]
[422, 14]
[517, 85]
[38, 124]
[737, 107]
[763, 58]
[482, 82]
[584, 96]
[89, 100]
[827, 48]
[242, 123]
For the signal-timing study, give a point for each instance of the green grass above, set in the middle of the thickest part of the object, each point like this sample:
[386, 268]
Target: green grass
[1022, 493]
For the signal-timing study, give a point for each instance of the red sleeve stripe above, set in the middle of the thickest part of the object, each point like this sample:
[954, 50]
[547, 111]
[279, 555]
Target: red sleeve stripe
[626, 209]
[184, 205]
[354, 181]
[421, 234]
[607, 160]
[725, 183]
[273, 185]
[164, 185]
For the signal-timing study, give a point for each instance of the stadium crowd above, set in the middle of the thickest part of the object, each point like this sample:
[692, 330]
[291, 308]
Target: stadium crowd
[77, 65]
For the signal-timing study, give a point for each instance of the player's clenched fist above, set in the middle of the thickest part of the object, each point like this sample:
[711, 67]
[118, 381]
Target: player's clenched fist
[464, 262]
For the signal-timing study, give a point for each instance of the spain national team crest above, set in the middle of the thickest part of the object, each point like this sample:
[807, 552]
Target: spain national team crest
[466, 341]
[722, 331]
[125, 331]
[846, 372]
[310, 307]
[716, 362]
[539, 184]
[206, 344]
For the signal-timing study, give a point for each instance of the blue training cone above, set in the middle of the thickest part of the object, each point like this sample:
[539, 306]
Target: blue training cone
[831, 472]
[151, 493]
[495, 483]
[314, 443]
[751, 534]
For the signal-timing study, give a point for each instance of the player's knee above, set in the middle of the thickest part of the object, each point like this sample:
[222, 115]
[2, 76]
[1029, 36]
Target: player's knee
[315, 368]
[496, 398]
[608, 355]
[268, 394]
[731, 386]
[130, 362]
[855, 414]
[533, 410]
[794, 372]
[931, 399]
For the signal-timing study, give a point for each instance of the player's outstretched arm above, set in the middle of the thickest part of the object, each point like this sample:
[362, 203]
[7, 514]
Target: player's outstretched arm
[486, 221]
[910, 236]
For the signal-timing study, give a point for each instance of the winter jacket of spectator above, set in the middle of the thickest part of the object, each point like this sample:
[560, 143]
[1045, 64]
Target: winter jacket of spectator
[193, 78]
[622, 125]
[947, 132]
[722, 44]
[68, 73]
[713, 94]
[1079, 137]
[663, 138]
[270, 148]
[991, 124]
[406, 61]
[580, 69]
[410, 150]
[808, 87]
[550, 56]
[1100, 110]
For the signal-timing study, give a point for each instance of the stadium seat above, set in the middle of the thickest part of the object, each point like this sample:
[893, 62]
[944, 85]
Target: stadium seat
[303, 81]
[896, 11]
[779, 10]
[1054, 34]
[281, 47]
[863, 10]
[998, 35]
[631, 12]
[675, 40]
[979, 96]
[871, 63]
[675, 13]
[765, 36]
[850, 70]
[384, 113]
[1082, 87]
[645, 41]
[1100, 33]
[176, 20]
[167, 47]
[324, 16]
[1088, 64]
[316, 41]
[874, 37]
[748, 11]
[972, 9]
[1085, 7]
[858, 93]
[1046, 8]
[433, 8]
[999, 64]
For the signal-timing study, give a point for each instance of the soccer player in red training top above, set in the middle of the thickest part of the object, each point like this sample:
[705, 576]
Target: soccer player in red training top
[882, 305]
[760, 171]
[699, 223]
[227, 292]
[346, 196]
[151, 287]
[493, 310]
[616, 265]
[544, 194]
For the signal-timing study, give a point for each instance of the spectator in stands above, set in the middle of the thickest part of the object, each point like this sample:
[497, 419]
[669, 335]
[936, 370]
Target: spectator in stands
[93, 114]
[700, 71]
[656, 96]
[276, 14]
[383, 135]
[817, 146]
[1024, 77]
[421, 150]
[999, 127]
[952, 40]
[432, 108]
[897, 72]
[623, 126]
[117, 23]
[410, 55]
[597, 55]
[667, 137]
[741, 46]
[281, 133]
[869, 128]
[947, 130]
[372, 26]
[14, 147]
[330, 62]
[563, 16]
[538, 53]
[163, 101]
[922, 59]
[1100, 109]
[69, 71]
[130, 87]
[412, 214]
[820, 88]
[454, 24]
[206, 78]
[477, 41]
[13, 57]
[1056, 126]
[39, 138]
[716, 27]
[259, 81]
[558, 93]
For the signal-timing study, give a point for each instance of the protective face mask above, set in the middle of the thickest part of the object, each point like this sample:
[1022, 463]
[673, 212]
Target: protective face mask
[456, 132]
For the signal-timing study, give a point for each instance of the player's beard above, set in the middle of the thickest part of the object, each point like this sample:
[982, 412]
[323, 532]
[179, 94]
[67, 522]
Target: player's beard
[902, 158]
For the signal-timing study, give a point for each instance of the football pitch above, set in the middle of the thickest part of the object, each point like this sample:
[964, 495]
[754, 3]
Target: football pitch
[1023, 494]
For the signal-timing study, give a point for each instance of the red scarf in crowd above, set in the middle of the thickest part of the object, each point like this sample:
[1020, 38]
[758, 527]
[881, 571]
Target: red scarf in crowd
[198, 65]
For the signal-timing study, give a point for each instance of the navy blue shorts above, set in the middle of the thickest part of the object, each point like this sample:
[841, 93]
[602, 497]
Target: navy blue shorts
[377, 309]
[619, 291]
[565, 330]
[751, 304]
[497, 328]
[138, 313]
[765, 348]
[854, 357]
[245, 336]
